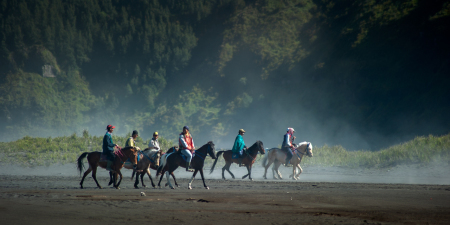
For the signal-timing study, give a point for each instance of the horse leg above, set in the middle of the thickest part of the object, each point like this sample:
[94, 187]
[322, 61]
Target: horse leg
[174, 180]
[150, 177]
[162, 175]
[84, 176]
[192, 179]
[273, 171]
[249, 169]
[168, 180]
[94, 175]
[111, 178]
[250, 172]
[301, 170]
[203, 178]
[278, 170]
[120, 175]
[266, 167]
[136, 182]
[294, 170]
[228, 169]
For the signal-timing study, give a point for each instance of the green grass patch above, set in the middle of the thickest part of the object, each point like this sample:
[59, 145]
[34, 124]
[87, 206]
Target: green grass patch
[30, 151]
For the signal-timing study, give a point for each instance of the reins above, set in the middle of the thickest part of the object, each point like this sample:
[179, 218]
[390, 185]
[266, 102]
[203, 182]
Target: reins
[198, 153]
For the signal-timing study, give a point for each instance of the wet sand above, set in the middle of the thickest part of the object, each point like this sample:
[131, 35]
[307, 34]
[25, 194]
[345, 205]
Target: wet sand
[35, 198]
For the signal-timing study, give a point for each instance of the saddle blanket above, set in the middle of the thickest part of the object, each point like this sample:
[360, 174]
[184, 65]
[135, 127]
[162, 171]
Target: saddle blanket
[235, 156]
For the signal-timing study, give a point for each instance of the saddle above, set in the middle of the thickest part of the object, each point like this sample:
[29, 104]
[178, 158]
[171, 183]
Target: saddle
[184, 157]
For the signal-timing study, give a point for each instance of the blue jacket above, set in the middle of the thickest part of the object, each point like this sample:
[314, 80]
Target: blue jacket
[238, 144]
[108, 144]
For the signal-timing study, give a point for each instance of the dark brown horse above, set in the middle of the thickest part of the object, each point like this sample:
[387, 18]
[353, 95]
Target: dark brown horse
[122, 155]
[170, 162]
[148, 164]
[248, 160]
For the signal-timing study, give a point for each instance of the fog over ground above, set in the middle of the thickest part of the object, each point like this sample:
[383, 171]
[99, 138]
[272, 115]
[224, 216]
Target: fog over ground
[407, 174]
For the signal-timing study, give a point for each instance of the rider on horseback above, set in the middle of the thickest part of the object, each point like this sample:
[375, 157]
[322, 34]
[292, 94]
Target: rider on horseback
[288, 146]
[154, 142]
[239, 145]
[131, 141]
[108, 147]
[186, 146]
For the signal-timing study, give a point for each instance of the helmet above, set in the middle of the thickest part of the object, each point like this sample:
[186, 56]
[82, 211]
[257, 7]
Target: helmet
[134, 133]
[290, 130]
[241, 131]
[155, 134]
[186, 127]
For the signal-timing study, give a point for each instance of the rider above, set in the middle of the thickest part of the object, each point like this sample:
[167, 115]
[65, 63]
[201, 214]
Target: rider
[154, 142]
[186, 146]
[287, 145]
[131, 141]
[108, 147]
[239, 145]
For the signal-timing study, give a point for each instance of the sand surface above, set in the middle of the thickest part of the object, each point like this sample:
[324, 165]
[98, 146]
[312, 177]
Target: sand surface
[333, 195]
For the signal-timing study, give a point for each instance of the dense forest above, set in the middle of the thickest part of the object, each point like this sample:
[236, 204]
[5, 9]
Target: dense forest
[363, 74]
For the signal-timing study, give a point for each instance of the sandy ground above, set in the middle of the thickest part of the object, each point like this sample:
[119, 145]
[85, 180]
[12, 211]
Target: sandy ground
[400, 195]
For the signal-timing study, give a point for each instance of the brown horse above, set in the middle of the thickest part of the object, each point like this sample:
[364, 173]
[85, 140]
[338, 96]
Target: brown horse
[276, 156]
[248, 160]
[148, 158]
[171, 161]
[122, 155]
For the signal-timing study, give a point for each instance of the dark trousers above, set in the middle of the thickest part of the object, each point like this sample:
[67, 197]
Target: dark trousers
[110, 155]
[289, 154]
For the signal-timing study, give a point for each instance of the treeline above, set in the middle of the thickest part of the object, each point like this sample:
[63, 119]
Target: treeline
[376, 66]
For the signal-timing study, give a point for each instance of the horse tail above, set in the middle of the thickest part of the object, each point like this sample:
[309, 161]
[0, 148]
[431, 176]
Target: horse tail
[266, 157]
[162, 164]
[215, 161]
[80, 165]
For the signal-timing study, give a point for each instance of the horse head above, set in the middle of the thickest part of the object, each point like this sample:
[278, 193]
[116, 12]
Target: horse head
[261, 149]
[131, 153]
[307, 148]
[211, 149]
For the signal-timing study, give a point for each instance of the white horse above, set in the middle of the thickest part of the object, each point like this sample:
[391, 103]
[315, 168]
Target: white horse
[276, 156]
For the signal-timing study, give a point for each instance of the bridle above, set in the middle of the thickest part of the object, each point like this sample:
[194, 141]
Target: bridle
[306, 151]
[204, 155]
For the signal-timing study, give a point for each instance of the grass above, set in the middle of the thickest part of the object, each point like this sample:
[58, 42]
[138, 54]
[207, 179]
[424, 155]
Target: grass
[30, 151]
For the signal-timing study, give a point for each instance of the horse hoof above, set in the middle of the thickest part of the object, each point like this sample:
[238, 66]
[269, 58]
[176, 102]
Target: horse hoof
[136, 187]
[172, 188]
[207, 188]
[189, 187]
[81, 187]
[144, 185]
[117, 188]
[99, 187]
[251, 179]
[165, 185]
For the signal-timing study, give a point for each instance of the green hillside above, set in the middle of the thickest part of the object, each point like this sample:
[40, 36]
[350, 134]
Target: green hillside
[362, 74]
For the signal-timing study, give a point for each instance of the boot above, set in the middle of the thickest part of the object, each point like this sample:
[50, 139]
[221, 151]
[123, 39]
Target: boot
[108, 166]
[187, 167]
[240, 162]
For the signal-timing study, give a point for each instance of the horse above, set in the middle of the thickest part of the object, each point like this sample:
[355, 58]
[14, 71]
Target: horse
[154, 167]
[277, 156]
[122, 155]
[172, 161]
[248, 160]
[148, 158]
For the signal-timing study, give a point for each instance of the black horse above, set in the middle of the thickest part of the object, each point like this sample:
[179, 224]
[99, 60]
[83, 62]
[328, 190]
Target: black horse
[170, 162]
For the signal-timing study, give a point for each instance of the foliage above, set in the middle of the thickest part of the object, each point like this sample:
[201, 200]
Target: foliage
[30, 151]
[196, 109]
[421, 150]
[271, 29]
